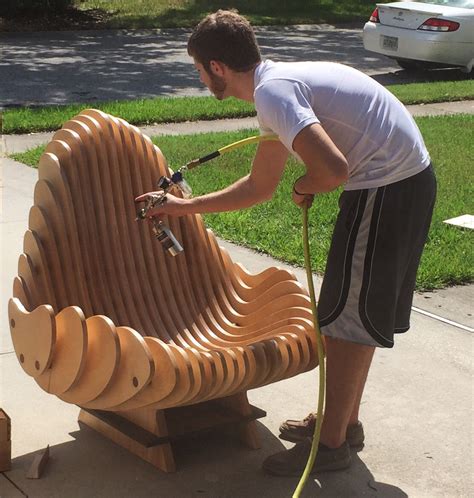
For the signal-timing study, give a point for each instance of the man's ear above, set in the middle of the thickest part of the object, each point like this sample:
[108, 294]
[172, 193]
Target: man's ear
[217, 68]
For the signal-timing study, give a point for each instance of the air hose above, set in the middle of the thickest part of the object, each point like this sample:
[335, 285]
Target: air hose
[227, 148]
[322, 366]
[309, 275]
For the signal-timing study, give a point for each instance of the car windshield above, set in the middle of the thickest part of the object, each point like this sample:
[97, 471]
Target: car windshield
[465, 4]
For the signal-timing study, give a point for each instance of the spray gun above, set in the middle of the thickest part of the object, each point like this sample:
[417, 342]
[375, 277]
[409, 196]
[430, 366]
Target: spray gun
[163, 234]
[177, 181]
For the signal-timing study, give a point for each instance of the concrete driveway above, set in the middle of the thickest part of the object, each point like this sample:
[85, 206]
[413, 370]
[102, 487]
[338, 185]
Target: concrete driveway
[87, 66]
[418, 404]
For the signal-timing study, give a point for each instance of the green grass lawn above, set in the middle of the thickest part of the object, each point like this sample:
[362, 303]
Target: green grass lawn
[137, 112]
[178, 13]
[179, 109]
[275, 227]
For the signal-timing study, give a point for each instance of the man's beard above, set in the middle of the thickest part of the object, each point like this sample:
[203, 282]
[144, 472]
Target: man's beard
[218, 86]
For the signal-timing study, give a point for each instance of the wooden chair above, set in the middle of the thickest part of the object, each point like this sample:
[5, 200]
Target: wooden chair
[150, 346]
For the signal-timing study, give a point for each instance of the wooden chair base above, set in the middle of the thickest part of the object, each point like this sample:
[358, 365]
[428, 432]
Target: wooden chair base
[150, 433]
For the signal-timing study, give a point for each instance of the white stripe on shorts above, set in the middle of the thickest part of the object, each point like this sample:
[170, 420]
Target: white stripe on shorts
[348, 325]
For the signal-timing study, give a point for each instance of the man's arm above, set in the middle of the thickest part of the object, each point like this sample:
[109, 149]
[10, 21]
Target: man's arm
[259, 186]
[326, 166]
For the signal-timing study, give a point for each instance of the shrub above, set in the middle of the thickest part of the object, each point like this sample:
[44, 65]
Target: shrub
[16, 8]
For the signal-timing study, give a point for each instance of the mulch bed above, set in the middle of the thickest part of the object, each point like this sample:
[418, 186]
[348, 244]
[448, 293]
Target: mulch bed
[70, 19]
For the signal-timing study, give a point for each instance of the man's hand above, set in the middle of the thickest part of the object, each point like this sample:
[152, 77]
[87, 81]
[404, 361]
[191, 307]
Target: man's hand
[300, 198]
[172, 205]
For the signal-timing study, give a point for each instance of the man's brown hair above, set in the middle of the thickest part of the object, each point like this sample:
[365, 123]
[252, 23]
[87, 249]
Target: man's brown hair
[227, 37]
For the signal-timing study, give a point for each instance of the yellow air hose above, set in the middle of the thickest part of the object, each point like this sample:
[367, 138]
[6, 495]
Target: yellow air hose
[227, 148]
[322, 366]
[309, 276]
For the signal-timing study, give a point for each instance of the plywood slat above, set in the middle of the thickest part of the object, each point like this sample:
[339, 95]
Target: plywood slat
[33, 335]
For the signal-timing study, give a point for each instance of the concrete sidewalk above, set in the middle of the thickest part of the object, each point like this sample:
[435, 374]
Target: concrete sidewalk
[417, 409]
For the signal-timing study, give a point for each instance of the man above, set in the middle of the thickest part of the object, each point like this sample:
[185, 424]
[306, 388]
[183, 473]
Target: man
[346, 129]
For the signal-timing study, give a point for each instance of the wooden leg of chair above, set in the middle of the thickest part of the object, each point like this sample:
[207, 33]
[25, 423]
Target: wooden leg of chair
[154, 421]
[151, 420]
[249, 435]
[247, 430]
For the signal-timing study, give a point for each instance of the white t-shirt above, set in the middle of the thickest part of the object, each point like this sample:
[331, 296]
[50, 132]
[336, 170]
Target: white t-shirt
[371, 127]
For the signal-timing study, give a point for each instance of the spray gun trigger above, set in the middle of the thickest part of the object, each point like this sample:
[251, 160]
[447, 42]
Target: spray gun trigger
[177, 177]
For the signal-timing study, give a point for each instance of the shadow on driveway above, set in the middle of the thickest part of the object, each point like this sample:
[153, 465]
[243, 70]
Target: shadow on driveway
[50, 68]
[209, 465]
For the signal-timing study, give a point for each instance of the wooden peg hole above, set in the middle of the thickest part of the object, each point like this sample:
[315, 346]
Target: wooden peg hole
[37, 365]
[22, 358]
[12, 323]
[135, 382]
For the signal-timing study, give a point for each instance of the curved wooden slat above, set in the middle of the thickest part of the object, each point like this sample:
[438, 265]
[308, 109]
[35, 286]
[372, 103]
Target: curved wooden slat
[164, 381]
[33, 336]
[101, 362]
[134, 371]
[70, 352]
[30, 284]
[190, 379]
[33, 247]
[41, 227]
[21, 292]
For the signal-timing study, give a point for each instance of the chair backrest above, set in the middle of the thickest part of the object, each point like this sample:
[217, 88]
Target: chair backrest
[85, 245]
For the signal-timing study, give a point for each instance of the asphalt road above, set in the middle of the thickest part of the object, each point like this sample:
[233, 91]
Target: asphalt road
[88, 66]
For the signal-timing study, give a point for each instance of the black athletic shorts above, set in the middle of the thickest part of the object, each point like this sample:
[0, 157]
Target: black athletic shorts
[368, 286]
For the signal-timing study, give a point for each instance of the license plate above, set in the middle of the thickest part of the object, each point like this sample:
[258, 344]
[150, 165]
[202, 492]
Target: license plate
[389, 42]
